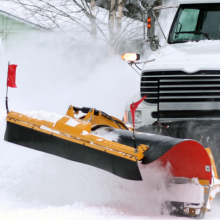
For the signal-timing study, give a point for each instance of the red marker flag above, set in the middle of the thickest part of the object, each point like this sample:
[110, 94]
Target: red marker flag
[11, 76]
[134, 106]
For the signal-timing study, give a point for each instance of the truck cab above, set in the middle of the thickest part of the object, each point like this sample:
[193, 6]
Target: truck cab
[182, 81]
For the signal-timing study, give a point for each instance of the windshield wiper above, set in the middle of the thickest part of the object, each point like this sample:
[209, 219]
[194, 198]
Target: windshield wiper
[180, 41]
[195, 32]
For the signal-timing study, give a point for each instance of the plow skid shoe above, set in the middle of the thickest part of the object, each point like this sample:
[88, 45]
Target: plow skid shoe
[194, 210]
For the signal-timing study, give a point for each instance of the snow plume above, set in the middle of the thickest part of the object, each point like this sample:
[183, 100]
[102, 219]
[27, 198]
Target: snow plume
[42, 180]
[54, 72]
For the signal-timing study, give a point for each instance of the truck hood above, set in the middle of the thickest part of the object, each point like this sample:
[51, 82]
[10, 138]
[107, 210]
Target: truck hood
[189, 57]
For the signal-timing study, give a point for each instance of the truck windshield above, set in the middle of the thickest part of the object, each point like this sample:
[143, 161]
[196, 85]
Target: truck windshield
[195, 22]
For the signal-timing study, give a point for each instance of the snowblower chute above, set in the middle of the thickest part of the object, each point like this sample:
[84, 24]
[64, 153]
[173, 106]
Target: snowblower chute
[80, 140]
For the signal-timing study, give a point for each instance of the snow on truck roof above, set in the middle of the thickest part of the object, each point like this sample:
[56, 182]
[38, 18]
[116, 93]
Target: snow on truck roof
[198, 1]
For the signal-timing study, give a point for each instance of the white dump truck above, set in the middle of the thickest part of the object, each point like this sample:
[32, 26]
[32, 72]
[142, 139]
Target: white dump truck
[182, 78]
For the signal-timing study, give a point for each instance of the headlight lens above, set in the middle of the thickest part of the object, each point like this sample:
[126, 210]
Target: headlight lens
[138, 117]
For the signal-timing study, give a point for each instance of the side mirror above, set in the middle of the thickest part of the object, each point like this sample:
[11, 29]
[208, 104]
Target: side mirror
[154, 40]
[154, 43]
[150, 24]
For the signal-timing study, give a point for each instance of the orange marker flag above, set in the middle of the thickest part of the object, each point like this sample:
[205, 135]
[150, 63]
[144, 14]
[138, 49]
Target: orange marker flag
[133, 107]
[11, 81]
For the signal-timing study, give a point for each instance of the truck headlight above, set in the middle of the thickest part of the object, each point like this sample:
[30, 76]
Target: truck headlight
[138, 117]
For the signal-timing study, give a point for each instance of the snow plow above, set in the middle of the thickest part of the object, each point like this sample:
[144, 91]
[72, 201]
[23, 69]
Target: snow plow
[80, 140]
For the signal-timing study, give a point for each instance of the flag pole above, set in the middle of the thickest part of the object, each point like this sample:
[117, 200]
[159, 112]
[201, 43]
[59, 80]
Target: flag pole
[133, 119]
[6, 98]
[133, 107]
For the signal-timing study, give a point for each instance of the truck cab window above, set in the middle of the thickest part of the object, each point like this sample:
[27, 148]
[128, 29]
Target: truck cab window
[188, 19]
[195, 22]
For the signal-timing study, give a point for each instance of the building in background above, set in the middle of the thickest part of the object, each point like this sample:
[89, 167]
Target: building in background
[15, 26]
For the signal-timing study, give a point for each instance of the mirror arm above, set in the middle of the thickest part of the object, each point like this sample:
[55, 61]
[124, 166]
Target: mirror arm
[148, 61]
[159, 25]
[144, 23]
[131, 63]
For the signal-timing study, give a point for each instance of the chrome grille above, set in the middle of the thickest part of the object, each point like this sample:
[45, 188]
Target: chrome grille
[180, 87]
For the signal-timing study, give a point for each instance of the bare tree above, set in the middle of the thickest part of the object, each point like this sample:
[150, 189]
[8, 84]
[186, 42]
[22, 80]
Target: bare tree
[120, 15]
[84, 17]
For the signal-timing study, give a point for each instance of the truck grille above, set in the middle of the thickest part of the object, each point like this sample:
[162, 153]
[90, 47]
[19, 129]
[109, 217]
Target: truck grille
[180, 87]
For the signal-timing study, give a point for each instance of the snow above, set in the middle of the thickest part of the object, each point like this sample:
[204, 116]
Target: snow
[104, 133]
[72, 122]
[52, 74]
[85, 133]
[99, 139]
[43, 115]
[189, 57]
[192, 193]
